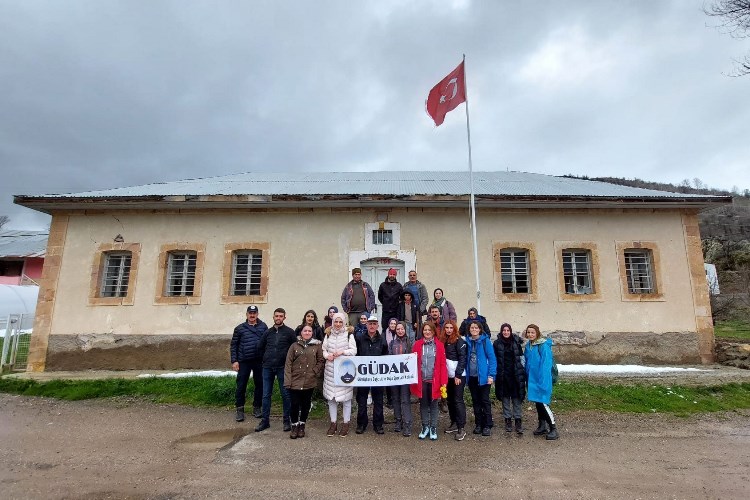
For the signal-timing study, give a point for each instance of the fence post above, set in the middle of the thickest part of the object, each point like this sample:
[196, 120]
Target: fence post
[6, 345]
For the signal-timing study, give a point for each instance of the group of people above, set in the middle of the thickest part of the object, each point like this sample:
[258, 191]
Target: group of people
[449, 358]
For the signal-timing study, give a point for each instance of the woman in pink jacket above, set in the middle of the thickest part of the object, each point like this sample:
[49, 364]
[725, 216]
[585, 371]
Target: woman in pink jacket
[432, 381]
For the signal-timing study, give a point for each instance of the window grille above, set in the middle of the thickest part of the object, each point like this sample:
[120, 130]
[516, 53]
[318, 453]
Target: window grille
[180, 273]
[577, 272]
[514, 271]
[382, 237]
[116, 275]
[246, 272]
[638, 269]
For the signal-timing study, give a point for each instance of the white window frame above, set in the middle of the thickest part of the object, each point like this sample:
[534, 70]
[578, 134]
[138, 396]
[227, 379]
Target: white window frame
[639, 265]
[512, 271]
[577, 271]
[115, 275]
[252, 274]
[184, 274]
[371, 227]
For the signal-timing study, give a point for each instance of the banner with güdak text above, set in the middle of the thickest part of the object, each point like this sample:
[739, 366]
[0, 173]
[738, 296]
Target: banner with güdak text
[364, 371]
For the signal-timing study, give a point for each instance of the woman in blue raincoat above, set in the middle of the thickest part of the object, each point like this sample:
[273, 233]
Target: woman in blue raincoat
[539, 361]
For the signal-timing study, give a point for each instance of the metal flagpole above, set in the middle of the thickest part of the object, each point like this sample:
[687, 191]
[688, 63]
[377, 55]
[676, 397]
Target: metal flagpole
[471, 183]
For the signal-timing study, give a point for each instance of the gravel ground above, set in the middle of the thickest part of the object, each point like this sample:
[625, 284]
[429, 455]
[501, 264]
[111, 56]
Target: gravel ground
[130, 448]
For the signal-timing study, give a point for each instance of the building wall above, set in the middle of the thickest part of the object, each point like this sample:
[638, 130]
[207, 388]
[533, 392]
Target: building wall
[309, 265]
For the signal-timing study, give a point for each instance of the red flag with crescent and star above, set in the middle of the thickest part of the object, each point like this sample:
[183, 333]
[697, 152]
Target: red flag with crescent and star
[446, 95]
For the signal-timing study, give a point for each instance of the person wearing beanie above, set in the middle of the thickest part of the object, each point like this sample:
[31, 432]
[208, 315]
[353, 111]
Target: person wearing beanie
[357, 297]
[539, 362]
[510, 383]
[389, 296]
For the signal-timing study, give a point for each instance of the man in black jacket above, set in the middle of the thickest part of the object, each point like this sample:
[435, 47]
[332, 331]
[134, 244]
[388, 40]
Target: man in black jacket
[245, 358]
[371, 343]
[389, 295]
[274, 345]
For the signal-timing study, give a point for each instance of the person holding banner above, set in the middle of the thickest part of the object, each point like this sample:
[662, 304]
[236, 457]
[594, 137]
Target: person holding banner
[455, 354]
[339, 341]
[400, 344]
[371, 344]
[432, 381]
[481, 367]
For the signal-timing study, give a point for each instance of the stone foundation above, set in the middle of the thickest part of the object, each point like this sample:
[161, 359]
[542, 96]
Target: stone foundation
[598, 348]
[177, 352]
[137, 352]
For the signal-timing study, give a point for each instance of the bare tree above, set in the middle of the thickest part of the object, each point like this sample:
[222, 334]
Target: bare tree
[4, 219]
[734, 18]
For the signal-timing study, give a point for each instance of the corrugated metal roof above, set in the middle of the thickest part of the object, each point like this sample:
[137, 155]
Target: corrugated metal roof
[386, 183]
[23, 243]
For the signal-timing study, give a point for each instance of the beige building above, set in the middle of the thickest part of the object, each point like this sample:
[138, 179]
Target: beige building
[157, 276]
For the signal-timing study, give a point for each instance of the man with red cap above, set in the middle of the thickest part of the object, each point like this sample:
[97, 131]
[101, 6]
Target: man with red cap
[389, 295]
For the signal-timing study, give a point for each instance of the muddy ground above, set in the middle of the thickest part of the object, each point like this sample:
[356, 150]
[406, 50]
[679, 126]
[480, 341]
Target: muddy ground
[126, 448]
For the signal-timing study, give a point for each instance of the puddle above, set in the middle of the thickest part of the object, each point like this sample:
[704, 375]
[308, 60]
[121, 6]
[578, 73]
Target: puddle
[212, 440]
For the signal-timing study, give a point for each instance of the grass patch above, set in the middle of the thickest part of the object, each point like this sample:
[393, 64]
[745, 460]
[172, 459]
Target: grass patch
[567, 396]
[680, 400]
[194, 391]
[732, 329]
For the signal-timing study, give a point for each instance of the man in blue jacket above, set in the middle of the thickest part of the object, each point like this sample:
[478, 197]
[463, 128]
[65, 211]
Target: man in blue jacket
[274, 345]
[246, 358]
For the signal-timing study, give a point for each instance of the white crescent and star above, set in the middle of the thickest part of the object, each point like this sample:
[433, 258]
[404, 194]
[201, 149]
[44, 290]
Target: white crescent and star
[454, 82]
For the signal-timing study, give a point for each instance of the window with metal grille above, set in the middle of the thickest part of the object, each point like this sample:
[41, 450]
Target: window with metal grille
[577, 272]
[382, 237]
[246, 272]
[638, 269]
[115, 275]
[514, 271]
[180, 274]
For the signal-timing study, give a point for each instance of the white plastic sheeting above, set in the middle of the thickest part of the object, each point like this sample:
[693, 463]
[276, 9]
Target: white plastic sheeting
[17, 299]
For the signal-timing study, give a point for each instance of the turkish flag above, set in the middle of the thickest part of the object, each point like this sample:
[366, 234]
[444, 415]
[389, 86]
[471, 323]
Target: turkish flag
[446, 95]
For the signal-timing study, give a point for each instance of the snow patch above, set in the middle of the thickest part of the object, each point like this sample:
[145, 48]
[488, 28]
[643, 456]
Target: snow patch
[624, 369]
[206, 373]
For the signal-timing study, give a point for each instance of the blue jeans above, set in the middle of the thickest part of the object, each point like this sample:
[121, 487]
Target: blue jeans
[268, 376]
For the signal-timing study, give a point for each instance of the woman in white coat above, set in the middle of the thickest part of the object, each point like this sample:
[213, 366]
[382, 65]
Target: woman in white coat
[338, 342]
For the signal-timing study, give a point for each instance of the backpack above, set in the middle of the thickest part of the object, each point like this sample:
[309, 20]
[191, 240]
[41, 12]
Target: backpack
[554, 372]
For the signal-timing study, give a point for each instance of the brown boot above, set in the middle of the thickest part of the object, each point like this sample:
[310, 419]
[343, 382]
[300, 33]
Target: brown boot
[331, 430]
[344, 429]
[301, 430]
[295, 431]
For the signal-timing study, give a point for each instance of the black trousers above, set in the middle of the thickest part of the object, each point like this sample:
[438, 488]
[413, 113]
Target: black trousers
[300, 404]
[243, 375]
[456, 404]
[545, 413]
[480, 399]
[377, 406]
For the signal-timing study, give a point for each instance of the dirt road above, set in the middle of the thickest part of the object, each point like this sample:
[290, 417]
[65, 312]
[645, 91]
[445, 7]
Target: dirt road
[134, 449]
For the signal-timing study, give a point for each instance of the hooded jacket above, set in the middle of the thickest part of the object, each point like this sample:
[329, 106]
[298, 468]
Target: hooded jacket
[439, 373]
[486, 362]
[519, 372]
[539, 370]
[337, 342]
[304, 364]
[245, 342]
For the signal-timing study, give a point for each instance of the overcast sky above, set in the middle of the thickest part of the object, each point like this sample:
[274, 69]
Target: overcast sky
[102, 94]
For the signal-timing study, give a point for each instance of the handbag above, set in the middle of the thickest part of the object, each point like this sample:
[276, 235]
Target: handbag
[451, 365]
